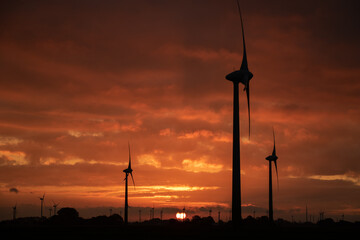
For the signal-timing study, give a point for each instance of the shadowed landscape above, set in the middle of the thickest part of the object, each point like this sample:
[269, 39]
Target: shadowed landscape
[68, 225]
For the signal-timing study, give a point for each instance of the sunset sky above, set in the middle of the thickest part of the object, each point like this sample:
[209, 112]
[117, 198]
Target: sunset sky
[81, 79]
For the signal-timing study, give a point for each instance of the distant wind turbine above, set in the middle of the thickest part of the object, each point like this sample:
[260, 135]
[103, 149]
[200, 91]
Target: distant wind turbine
[243, 75]
[42, 204]
[55, 206]
[14, 211]
[272, 158]
[127, 171]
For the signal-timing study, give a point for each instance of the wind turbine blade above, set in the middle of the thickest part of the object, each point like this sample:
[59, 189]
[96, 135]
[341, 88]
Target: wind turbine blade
[129, 167]
[274, 150]
[277, 175]
[248, 102]
[244, 64]
[132, 179]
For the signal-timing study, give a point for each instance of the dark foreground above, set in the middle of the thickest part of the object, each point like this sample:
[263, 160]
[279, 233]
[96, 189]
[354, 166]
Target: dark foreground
[179, 230]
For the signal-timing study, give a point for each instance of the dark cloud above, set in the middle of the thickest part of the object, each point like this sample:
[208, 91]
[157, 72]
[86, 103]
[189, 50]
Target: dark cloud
[14, 190]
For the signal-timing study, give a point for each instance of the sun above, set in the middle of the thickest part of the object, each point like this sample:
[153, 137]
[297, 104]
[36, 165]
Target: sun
[180, 216]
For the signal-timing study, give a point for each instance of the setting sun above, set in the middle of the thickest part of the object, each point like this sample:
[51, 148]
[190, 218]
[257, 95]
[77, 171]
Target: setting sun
[180, 216]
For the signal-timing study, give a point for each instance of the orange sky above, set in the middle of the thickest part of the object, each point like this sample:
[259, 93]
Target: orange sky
[80, 79]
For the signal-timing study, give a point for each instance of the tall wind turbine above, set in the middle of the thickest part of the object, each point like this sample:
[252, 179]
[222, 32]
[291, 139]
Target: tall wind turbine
[55, 206]
[243, 75]
[272, 158]
[127, 171]
[42, 204]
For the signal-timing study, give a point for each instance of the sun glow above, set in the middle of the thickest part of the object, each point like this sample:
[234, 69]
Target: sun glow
[180, 216]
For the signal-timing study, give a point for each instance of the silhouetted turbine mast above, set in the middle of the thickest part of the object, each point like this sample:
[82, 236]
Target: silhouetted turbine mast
[55, 206]
[42, 204]
[127, 171]
[243, 75]
[272, 158]
[14, 211]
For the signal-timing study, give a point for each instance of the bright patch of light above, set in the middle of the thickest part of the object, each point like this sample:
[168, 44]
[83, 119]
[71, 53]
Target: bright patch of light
[344, 177]
[201, 166]
[13, 158]
[180, 216]
[149, 159]
[78, 134]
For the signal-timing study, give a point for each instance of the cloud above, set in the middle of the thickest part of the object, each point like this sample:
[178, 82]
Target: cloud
[149, 159]
[201, 166]
[14, 190]
[343, 177]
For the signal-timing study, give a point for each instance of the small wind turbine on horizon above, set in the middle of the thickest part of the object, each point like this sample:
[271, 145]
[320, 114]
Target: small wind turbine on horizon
[14, 211]
[50, 211]
[272, 158]
[42, 204]
[55, 206]
[243, 75]
[127, 171]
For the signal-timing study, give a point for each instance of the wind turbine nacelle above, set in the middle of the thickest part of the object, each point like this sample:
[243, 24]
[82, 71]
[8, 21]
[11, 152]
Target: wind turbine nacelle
[271, 158]
[127, 170]
[241, 75]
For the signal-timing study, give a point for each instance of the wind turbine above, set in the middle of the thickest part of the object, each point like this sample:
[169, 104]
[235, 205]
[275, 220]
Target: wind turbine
[42, 204]
[272, 158]
[55, 206]
[127, 171]
[14, 211]
[50, 211]
[243, 75]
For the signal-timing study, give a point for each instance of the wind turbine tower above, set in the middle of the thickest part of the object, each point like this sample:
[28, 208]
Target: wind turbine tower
[243, 75]
[42, 204]
[128, 171]
[272, 158]
[55, 206]
[14, 212]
